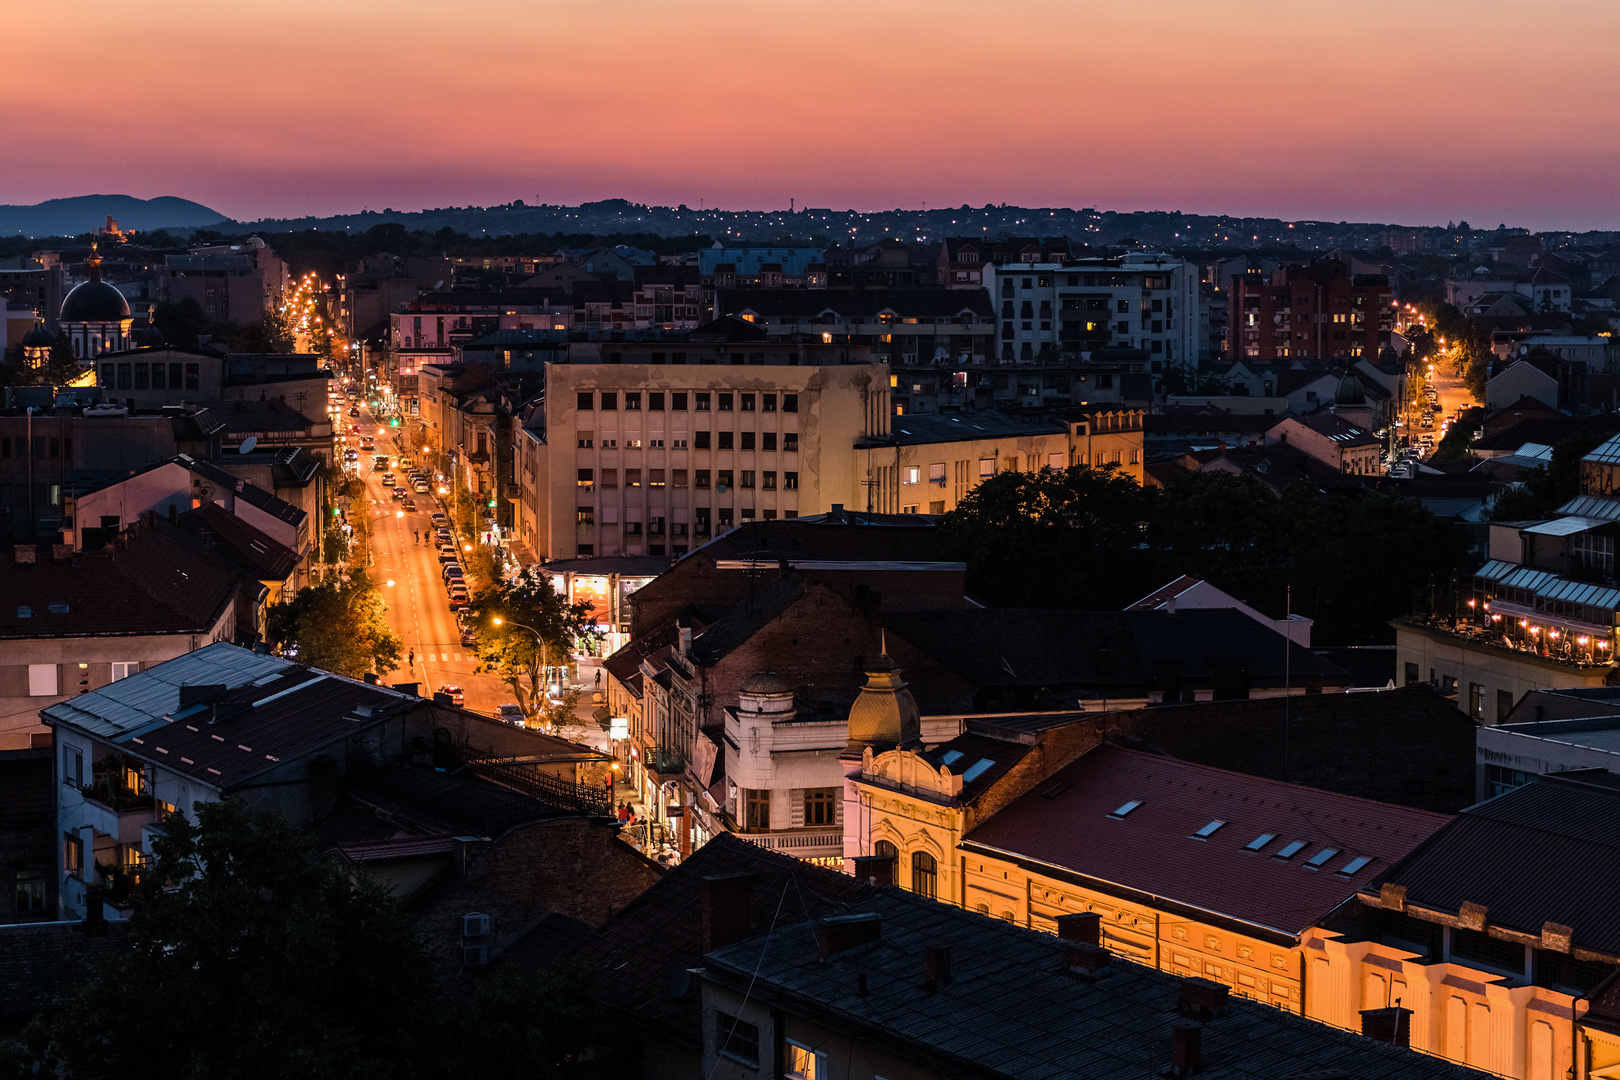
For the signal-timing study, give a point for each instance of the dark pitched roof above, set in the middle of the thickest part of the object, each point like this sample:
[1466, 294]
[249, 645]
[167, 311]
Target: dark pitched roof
[158, 581]
[248, 549]
[661, 930]
[841, 536]
[249, 493]
[748, 618]
[1011, 1009]
[916, 428]
[42, 965]
[1101, 648]
[1545, 852]
[1067, 823]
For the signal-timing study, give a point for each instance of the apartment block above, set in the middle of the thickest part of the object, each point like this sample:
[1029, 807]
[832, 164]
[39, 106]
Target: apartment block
[655, 458]
[1320, 311]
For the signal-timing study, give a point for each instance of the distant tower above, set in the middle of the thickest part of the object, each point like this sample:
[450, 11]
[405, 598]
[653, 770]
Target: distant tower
[37, 345]
[95, 316]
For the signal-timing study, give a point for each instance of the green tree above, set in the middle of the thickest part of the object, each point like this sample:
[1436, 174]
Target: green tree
[298, 968]
[543, 1026]
[1220, 527]
[337, 626]
[511, 651]
[1066, 538]
[182, 322]
[271, 334]
[1543, 490]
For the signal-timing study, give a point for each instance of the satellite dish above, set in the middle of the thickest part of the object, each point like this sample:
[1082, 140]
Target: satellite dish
[680, 981]
[248, 444]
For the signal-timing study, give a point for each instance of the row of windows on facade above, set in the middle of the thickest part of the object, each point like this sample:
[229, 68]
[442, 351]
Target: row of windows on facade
[45, 680]
[820, 806]
[151, 376]
[677, 401]
[45, 446]
[1089, 303]
[656, 478]
[1088, 281]
[662, 526]
[1476, 692]
[701, 440]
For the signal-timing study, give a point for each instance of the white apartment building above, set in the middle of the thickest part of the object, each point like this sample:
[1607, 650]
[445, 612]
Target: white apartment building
[655, 459]
[1148, 302]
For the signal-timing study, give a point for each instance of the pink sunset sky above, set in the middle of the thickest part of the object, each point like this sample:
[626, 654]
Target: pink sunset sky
[1413, 112]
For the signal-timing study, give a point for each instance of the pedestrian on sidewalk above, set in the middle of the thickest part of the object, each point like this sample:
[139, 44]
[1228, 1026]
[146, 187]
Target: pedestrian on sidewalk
[599, 678]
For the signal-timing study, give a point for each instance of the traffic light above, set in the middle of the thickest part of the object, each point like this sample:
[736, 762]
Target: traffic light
[492, 502]
[394, 422]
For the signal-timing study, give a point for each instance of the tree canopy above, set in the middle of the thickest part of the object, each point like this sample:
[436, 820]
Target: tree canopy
[1087, 538]
[510, 650]
[251, 959]
[339, 626]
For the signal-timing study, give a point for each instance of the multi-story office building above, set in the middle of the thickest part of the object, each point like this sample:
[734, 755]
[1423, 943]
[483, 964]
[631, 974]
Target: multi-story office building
[655, 458]
[1047, 309]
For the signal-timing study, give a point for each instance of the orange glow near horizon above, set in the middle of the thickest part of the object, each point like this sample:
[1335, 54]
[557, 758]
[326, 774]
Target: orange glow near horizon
[1375, 111]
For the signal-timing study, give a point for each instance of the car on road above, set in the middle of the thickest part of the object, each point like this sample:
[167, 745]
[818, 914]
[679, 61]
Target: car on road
[447, 554]
[421, 487]
[388, 479]
[410, 504]
[469, 637]
[399, 493]
[511, 712]
[439, 519]
[351, 455]
[354, 411]
[368, 444]
[457, 695]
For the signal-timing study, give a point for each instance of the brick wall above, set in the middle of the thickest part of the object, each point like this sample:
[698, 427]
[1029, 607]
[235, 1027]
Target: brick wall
[573, 866]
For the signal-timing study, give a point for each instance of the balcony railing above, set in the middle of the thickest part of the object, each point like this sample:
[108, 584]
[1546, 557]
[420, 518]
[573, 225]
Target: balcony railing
[800, 843]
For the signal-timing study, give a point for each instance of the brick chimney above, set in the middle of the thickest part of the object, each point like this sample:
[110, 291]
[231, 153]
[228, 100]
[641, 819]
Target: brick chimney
[1186, 1049]
[839, 934]
[1081, 926]
[877, 869]
[1391, 1025]
[936, 967]
[726, 902]
[1201, 999]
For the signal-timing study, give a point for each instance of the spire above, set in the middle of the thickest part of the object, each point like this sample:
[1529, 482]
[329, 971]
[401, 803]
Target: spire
[93, 264]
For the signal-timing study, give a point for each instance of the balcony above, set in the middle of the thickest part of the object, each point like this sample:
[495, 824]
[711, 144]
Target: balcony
[817, 843]
[1543, 645]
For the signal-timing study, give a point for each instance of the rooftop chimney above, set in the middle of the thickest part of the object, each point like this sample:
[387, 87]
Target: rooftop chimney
[1201, 999]
[1090, 961]
[936, 967]
[372, 678]
[1391, 1025]
[839, 934]
[1186, 1049]
[726, 902]
[1081, 926]
[876, 869]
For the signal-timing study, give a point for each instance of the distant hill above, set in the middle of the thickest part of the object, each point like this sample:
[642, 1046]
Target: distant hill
[85, 213]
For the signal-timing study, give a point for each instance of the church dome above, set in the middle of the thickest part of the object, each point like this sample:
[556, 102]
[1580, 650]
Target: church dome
[94, 301]
[1350, 391]
[764, 683]
[148, 337]
[38, 338]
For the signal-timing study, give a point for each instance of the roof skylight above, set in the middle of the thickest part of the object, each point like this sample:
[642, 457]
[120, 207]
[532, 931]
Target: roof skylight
[1127, 808]
[1209, 830]
[1290, 849]
[951, 757]
[976, 770]
[1260, 841]
[1321, 857]
[1353, 865]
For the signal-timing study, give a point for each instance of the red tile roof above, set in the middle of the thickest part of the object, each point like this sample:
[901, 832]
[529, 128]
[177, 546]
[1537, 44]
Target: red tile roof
[1152, 850]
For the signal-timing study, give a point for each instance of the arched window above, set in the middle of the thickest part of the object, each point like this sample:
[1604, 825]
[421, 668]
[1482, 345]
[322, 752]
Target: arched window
[924, 874]
[885, 850]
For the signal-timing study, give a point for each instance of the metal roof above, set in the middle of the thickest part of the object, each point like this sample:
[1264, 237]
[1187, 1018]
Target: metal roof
[1609, 452]
[1579, 592]
[127, 705]
[1565, 526]
[1528, 577]
[1496, 570]
[1593, 506]
[1545, 852]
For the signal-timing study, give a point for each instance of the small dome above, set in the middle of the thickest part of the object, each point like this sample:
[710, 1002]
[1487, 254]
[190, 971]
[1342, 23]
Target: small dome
[38, 338]
[884, 713]
[1350, 391]
[94, 301]
[765, 683]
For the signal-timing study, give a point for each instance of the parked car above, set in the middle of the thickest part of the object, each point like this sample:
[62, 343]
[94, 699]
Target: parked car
[458, 600]
[457, 697]
[445, 537]
[439, 519]
[447, 554]
[510, 712]
[469, 637]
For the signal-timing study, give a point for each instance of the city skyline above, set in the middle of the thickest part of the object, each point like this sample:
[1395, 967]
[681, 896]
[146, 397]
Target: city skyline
[1407, 116]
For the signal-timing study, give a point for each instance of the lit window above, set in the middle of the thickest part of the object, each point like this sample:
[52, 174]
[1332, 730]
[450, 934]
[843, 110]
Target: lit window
[804, 1063]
